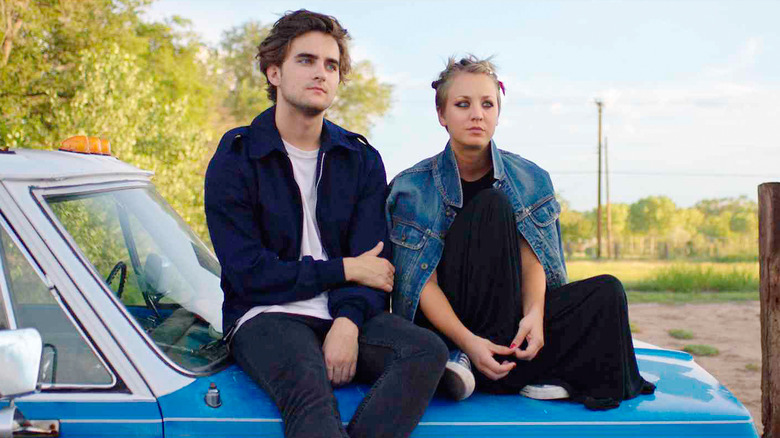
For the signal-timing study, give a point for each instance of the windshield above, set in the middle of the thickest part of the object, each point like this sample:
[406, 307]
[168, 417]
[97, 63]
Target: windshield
[153, 262]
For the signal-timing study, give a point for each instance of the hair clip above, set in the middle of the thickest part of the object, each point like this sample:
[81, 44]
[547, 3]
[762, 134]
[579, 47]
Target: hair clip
[501, 85]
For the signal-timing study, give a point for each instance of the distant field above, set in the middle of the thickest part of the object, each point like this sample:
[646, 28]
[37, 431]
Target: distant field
[664, 281]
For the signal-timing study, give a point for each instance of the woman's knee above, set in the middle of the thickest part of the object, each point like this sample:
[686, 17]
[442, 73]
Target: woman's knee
[610, 287]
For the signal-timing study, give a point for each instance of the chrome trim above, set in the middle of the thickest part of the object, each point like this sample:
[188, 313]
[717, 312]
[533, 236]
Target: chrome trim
[578, 423]
[57, 178]
[223, 420]
[40, 194]
[5, 293]
[89, 421]
[87, 397]
[66, 310]
[98, 354]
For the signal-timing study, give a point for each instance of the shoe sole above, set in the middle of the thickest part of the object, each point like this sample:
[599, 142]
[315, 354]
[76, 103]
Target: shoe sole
[458, 381]
[544, 392]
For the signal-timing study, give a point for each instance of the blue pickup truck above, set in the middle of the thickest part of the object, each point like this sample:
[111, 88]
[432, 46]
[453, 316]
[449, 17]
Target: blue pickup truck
[108, 293]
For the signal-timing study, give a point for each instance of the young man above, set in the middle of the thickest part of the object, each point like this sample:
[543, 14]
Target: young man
[295, 208]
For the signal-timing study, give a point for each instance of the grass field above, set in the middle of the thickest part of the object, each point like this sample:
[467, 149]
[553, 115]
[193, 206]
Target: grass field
[664, 281]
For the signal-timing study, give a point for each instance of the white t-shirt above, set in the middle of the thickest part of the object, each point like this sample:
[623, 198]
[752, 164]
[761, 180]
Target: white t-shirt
[304, 164]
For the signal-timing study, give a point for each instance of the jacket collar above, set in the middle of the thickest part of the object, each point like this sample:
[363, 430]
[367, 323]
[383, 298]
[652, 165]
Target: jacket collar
[447, 177]
[264, 136]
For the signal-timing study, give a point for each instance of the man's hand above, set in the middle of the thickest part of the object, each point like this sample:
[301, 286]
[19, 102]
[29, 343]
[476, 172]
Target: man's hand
[481, 351]
[532, 330]
[340, 350]
[370, 270]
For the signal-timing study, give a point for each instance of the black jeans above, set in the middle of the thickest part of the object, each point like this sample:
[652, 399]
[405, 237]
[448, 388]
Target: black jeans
[283, 353]
[588, 347]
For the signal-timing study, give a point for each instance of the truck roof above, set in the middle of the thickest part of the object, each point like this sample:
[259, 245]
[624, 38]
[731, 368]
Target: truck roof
[37, 164]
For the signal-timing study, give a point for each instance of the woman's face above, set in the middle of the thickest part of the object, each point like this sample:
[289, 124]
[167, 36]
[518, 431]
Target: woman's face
[470, 114]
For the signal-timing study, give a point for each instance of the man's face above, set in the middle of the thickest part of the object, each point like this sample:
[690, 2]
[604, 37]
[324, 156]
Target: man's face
[309, 76]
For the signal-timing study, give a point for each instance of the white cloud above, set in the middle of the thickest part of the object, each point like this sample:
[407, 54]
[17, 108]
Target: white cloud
[738, 62]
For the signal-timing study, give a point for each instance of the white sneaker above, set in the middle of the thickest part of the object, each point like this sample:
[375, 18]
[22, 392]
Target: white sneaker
[544, 392]
[458, 380]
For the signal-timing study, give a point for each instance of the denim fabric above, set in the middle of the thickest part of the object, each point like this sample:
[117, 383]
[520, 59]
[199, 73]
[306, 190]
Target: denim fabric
[283, 353]
[255, 218]
[425, 199]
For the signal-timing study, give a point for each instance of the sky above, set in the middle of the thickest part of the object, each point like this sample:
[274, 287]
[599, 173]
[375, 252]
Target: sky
[691, 89]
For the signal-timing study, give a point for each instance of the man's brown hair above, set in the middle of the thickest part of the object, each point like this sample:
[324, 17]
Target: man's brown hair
[273, 50]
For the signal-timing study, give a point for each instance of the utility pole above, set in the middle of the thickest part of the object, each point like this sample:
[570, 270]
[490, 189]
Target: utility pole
[609, 210]
[600, 104]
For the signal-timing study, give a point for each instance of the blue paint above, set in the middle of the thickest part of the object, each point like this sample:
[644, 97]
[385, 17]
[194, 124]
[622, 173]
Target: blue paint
[686, 394]
[97, 419]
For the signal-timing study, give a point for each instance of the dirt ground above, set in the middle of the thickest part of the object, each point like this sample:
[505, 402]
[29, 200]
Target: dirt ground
[733, 328]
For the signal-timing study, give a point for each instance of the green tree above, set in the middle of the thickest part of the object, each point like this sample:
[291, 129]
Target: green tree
[93, 67]
[575, 226]
[242, 85]
[160, 95]
[652, 215]
[724, 217]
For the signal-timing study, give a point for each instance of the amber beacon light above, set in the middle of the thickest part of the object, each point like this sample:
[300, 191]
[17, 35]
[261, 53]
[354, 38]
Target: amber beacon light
[86, 145]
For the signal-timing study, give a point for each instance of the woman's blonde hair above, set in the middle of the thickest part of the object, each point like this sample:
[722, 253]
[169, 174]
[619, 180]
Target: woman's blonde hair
[469, 64]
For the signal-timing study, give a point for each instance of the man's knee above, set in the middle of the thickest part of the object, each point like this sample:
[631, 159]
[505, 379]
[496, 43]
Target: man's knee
[409, 341]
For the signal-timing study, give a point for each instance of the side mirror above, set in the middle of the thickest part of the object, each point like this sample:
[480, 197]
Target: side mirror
[20, 361]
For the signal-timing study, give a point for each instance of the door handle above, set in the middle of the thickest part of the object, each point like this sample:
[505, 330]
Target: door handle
[37, 428]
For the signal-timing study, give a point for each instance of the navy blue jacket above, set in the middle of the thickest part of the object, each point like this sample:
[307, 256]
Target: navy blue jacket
[255, 217]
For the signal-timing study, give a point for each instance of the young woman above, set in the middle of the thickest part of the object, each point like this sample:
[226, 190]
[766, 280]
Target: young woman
[477, 249]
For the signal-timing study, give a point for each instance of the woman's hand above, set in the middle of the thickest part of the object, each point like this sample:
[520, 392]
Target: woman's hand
[532, 330]
[481, 351]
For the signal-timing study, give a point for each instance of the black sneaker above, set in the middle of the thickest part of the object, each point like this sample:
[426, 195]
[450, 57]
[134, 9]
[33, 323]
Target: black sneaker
[458, 381]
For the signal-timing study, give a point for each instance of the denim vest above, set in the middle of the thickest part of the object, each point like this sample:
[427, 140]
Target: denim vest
[422, 206]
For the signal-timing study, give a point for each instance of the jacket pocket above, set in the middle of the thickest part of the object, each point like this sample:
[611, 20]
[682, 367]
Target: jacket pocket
[407, 235]
[546, 213]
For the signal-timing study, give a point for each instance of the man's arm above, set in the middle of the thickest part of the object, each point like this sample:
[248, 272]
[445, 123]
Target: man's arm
[354, 300]
[255, 273]
[353, 303]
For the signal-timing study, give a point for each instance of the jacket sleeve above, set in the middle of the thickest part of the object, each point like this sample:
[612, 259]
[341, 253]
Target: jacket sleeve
[254, 273]
[367, 228]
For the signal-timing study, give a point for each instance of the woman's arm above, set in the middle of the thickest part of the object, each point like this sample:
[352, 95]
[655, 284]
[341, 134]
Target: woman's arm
[533, 288]
[437, 309]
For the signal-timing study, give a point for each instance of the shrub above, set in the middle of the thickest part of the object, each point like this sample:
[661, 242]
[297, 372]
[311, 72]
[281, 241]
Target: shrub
[680, 334]
[701, 350]
[697, 278]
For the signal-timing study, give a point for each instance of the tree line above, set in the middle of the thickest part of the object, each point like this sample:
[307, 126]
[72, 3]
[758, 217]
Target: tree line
[716, 229]
[156, 90]
[163, 97]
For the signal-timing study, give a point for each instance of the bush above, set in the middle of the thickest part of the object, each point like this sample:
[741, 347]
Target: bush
[701, 350]
[695, 278]
[680, 334]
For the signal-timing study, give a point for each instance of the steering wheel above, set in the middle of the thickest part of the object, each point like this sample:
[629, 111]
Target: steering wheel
[120, 267]
[153, 274]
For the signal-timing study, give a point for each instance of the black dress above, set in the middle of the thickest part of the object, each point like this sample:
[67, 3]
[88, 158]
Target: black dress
[588, 348]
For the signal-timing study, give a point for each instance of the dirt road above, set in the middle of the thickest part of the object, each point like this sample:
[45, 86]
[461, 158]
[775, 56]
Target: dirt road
[733, 328]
